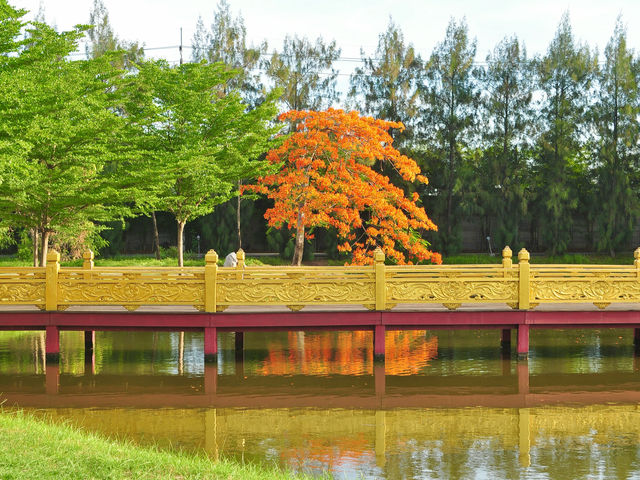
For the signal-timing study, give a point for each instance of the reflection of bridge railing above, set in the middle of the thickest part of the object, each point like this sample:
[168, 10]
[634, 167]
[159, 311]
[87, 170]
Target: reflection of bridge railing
[377, 287]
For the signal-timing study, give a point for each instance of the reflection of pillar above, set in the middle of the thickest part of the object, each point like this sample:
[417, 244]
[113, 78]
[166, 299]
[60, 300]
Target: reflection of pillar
[210, 378]
[239, 350]
[89, 352]
[505, 360]
[52, 344]
[523, 378]
[52, 378]
[381, 430]
[505, 338]
[523, 341]
[379, 378]
[524, 437]
[378, 343]
[210, 344]
[211, 433]
[181, 353]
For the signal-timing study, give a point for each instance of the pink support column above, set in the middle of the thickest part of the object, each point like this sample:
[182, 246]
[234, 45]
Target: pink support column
[52, 344]
[378, 343]
[523, 341]
[210, 344]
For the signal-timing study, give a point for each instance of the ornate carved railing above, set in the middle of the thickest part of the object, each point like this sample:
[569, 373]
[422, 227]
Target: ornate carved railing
[378, 287]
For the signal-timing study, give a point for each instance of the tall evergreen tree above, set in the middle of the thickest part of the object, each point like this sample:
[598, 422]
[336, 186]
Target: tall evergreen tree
[304, 71]
[501, 175]
[386, 86]
[564, 77]
[450, 99]
[616, 117]
[226, 41]
[102, 38]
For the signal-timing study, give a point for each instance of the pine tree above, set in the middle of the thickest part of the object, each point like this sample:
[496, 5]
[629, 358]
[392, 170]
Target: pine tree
[564, 77]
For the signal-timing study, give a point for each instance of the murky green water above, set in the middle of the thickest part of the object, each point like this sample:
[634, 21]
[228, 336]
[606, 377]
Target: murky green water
[447, 404]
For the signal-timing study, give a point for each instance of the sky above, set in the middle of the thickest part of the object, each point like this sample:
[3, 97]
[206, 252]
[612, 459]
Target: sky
[354, 24]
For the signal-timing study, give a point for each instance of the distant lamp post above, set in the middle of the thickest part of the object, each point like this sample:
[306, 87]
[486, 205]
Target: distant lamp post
[198, 239]
[489, 243]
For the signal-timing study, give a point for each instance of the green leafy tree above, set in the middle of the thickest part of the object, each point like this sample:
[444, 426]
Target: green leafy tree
[199, 140]
[564, 77]
[450, 100]
[616, 117]
[502, 173]
[305, 74]
[386, 86]
[59, 139]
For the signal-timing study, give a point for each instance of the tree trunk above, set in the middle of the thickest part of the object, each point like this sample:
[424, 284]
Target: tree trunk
[181, 225]
[299, 246]
[238, 217]
[34, 241]
[156, 236]
[44, 248]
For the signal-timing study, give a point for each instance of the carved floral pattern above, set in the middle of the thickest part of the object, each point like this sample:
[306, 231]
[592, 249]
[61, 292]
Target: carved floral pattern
[296, 293]
[132, 293]
[451, 291]
[598, 290]
[12, 293]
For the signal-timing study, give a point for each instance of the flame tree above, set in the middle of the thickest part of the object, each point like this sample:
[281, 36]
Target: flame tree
[326, 180]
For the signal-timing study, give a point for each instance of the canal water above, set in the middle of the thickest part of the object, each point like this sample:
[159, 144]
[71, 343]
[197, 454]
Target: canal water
[447, 404]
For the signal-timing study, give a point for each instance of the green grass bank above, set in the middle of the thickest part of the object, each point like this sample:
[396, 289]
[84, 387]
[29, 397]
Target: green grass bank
[39, 449]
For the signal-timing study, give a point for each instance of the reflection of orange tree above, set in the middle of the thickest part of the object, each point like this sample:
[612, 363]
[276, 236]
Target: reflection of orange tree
[347, 353]
[328, 452]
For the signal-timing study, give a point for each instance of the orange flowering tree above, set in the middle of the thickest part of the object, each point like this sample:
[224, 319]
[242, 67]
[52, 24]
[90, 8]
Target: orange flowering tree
[326, 180]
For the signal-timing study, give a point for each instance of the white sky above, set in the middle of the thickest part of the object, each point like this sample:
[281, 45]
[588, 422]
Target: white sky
[354, 23]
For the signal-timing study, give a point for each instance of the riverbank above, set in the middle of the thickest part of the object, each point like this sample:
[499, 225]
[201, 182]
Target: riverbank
[38, 449]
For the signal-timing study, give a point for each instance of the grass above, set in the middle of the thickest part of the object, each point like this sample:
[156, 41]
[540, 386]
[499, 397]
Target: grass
[461, 259]
[40, 449]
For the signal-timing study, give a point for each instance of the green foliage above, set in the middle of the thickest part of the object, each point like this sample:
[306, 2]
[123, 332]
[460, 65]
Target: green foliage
[300, 71]
[197, 139]
[386, 87]
[450, 98]
[225, 41]
[59, 138]
[564, 75]
[616, 157]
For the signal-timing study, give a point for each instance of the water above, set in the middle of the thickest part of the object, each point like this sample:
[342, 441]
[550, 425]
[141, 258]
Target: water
[447, 404]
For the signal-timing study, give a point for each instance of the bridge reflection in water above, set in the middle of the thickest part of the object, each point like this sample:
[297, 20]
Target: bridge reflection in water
[321, 396]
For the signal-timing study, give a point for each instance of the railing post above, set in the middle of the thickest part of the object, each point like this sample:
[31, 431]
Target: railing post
[210, 274]
[381, 289]
[636, 261]
[51, 286]
[507, 263]
[524, 280]
[87, 263]
[240, 266]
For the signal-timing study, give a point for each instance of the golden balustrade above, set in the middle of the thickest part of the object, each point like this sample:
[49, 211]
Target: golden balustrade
[378, 287]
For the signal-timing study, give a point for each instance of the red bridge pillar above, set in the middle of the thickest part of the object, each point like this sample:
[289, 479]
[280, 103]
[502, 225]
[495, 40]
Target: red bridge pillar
[210, 344]
[378, 343]
[523, 341]
[52, 344]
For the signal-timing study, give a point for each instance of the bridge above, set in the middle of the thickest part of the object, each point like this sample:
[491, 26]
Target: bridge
[508, 297]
